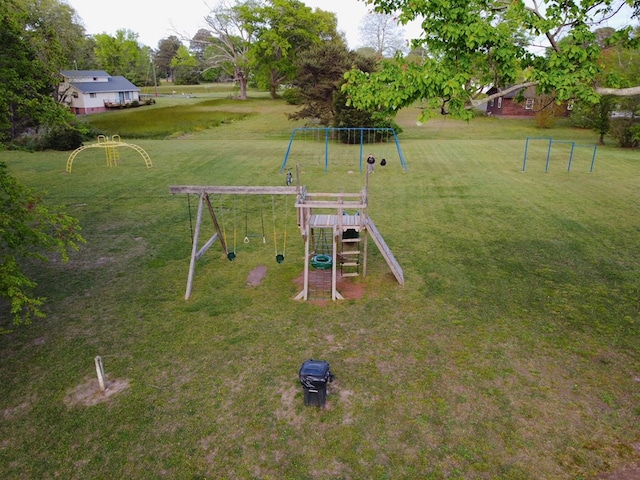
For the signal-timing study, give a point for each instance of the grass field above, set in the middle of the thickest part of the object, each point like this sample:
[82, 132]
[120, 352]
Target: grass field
[512, 352]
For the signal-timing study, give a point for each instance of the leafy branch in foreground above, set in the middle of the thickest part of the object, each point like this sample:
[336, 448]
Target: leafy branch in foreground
[29, 229]
[472, 45]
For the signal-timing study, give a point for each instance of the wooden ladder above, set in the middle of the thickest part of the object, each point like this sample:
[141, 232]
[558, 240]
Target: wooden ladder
[350, 257]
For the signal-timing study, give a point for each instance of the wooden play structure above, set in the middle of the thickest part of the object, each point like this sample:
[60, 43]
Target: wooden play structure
[110, 145]
[335, 228]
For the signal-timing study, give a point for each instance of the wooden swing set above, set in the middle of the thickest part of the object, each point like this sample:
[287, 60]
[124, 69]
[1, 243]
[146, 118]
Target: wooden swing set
[341, 216]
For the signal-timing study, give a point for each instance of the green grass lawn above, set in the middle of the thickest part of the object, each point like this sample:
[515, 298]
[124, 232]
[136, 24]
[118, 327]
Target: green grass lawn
[512, 352]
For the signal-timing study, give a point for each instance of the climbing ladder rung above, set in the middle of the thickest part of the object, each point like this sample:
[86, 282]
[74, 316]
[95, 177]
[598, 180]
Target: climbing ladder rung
[350, 240]
[352, 274]
[351, 252]
[350, 264]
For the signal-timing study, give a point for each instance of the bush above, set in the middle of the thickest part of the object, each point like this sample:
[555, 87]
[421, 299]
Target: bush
[62, 139]
[293, 96]
[626, 131]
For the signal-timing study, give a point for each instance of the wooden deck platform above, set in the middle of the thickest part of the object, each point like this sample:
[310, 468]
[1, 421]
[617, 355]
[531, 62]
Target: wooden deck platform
[330, 221]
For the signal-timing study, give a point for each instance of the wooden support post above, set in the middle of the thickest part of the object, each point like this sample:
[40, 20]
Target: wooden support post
[100, 372]
[335, 295]
[215, 223]
[194, 248]
[305, 282]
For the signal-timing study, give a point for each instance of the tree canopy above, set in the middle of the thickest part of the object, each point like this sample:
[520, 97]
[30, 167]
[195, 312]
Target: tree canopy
[123, 55]
[29, 229]
[508, 44]
[381, 33]
[31, 54]
[227, 47]
[282, 29]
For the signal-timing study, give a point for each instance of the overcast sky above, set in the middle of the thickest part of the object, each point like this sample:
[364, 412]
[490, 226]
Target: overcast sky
[153, 21]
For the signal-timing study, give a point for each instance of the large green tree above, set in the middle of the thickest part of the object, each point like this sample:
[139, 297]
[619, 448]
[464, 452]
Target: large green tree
[122, 54]
[619, 66]
[29, 230]
[472, 44]
[321, 72]
[27, 93]
[167, 49]
[282, 29]
[185, 67]
[55, 33]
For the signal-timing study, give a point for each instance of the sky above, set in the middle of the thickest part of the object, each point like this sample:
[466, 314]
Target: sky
[153, 21]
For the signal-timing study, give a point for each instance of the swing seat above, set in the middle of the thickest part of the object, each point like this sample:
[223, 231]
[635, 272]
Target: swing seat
[279, 258]
[231, 256]
[322, 262]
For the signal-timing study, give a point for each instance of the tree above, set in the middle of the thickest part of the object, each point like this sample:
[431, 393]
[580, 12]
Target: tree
[619, 66]
[472, 45]
[198, 45]
[321, 72]
[123, 55]
[29, 230]
[55, 34]
[167, 49]
[228, 45]
[282, 29]
[596, 117]
[380, 32]
[185, 67]
[27, 97]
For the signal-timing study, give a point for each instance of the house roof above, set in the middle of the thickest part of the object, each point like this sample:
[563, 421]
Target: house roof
[113, 84]
[84, 73]
[528, 92]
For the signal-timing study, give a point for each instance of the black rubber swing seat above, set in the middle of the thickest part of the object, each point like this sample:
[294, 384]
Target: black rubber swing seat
[279, 258]
[231, 256]
[322, 262]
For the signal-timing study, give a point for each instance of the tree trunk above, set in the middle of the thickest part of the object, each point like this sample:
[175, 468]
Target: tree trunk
[241, 78]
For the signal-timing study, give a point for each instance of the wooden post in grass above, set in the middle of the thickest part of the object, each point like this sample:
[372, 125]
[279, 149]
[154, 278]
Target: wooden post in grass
[100, 372]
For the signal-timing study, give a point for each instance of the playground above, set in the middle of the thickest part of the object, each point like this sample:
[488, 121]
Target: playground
[510, 351]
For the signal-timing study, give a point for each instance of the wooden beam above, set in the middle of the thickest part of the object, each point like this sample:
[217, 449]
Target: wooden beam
[235, 190]
[334, 195]
[330, 204]
[206, 246]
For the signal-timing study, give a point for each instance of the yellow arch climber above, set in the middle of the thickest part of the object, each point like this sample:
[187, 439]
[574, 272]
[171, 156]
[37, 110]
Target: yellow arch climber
[111, 149]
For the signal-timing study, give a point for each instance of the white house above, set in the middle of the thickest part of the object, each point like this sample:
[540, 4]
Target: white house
[93, 91]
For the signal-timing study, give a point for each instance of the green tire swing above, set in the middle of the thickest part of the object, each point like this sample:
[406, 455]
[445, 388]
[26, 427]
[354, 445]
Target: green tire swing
[322, 262]
[231, 256]
[279, 256]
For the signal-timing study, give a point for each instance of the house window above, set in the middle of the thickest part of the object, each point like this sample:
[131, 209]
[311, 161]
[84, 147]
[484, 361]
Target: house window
[491, 103]
[528, 104]
[499, 102]
[92, 95]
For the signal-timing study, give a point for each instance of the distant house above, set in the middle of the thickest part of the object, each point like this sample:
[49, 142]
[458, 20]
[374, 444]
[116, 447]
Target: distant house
[508, 105]
[93, 91]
